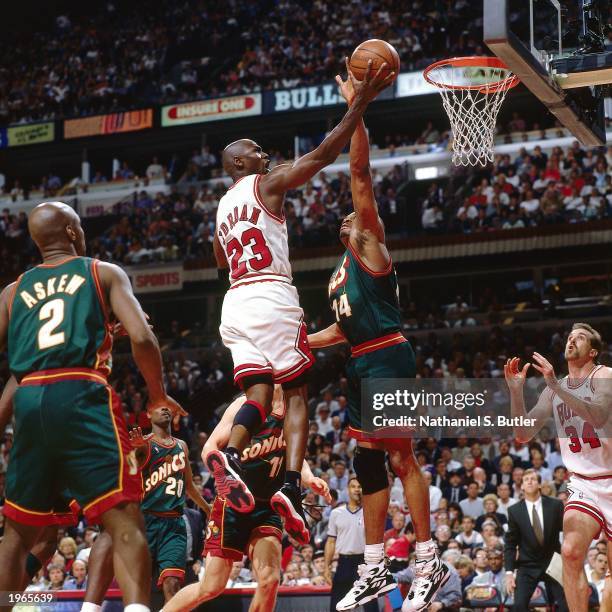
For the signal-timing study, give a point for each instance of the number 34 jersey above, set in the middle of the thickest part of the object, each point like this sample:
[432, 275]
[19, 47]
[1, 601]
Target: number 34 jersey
[58, 319]
[585, 450]
[163, 476]
[254, 239]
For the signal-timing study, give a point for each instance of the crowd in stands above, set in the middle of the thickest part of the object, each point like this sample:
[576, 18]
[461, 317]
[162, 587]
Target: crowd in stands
[113, 57]
[472, 482]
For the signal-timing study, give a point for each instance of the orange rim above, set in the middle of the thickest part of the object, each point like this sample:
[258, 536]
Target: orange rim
[477, 62]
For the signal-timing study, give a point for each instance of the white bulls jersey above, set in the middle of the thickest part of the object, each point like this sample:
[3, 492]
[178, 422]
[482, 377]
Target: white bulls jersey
[253, 238]
[585, 450]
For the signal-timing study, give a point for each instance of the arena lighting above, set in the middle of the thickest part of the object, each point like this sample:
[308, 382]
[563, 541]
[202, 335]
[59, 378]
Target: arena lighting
[428, 172]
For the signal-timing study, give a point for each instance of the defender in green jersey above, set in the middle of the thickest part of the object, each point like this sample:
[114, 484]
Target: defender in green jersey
[231, 534]
[166, 479]
[70, 436]
[364, 299]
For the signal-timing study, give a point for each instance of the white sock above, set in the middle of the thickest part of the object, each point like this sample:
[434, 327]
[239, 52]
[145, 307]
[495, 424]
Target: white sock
[90, 607]
[374, 553]
[425, 550]
[136, 608]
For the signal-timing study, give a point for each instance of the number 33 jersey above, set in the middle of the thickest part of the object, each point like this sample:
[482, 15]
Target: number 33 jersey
[163, 476]
[58, 319]
[254, 239]
[585, 450]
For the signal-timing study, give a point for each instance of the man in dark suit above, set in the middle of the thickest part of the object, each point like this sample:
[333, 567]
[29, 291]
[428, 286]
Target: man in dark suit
[534, 525]
[454, 491]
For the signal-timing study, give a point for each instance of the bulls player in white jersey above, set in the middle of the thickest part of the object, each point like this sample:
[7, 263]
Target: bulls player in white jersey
[261, 319]
[581, 404]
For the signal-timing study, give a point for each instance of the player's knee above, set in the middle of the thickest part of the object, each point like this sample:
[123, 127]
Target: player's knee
[369, 465]
[403, 463]
[172, 585]
[211, 587]
[571, 553]
[268, 578]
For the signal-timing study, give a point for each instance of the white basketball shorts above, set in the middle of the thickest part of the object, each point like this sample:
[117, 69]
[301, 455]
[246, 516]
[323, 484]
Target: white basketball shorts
[262, 324]
[593, 497]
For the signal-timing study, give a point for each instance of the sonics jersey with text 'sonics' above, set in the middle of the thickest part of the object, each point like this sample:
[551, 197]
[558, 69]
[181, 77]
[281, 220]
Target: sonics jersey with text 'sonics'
[585, 450]
[58, 319]
[254, 239]
[163, 477]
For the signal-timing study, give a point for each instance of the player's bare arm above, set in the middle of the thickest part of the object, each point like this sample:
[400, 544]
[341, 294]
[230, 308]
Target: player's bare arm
[596, 410]
[145, 347]
[219, 253]
[220, 435]
[6, 403]
[276, 183]
[330, 550]
[190, 488]
[326, 337]
[5, 298]
[314, 483]
[540, 413]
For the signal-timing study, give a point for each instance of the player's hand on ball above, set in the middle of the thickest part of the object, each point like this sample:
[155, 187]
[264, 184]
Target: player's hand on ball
[136, 437]
[320, 487]
[347, 91]
[372, 84]
[544, 366]
[515, 377]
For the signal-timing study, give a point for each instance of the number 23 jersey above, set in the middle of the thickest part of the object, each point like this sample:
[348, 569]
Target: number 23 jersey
[163, 476]
[585, 450]
[254, 239]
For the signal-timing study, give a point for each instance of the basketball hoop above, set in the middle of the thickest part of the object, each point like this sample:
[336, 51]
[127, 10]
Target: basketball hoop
[473, 89]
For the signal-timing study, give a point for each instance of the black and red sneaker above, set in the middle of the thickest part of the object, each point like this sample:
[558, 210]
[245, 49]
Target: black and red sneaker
[227, 472]
[287, 502]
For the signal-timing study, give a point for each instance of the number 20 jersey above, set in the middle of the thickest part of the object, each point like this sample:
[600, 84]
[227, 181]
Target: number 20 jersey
[58, 319]
[254, 239]
[585, 450]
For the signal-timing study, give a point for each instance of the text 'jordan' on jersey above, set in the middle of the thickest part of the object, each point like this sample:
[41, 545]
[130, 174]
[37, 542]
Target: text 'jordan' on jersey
[585, 450]
[58, 319]
[254, 239]
[163, 476]
[365, 303]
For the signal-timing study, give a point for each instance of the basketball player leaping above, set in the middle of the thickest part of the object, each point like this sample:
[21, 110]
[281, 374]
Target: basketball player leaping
[581, 405]
[363, 297]
[261, 320]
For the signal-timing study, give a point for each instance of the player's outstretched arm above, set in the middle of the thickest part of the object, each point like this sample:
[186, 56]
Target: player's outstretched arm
[6, 403]
[326, 337]
[145, 347]
[289, 176]
[538, 415]
[315, 484]
[190, 488]
[220, 435]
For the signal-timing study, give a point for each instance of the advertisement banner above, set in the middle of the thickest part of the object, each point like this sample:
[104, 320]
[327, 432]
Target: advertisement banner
[151, 279]
[30, 134]
[307, 97]
[211, 110]
[115, 123]
[413, 84]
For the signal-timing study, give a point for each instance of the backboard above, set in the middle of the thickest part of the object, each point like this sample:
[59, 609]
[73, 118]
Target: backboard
[548, 47]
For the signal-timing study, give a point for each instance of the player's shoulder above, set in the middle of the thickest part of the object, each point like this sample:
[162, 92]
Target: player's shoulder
[602, 371]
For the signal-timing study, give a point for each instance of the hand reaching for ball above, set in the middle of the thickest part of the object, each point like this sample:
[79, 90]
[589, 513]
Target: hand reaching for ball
[367, 89]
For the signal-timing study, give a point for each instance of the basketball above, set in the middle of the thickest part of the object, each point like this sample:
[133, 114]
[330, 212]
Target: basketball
[379, 51]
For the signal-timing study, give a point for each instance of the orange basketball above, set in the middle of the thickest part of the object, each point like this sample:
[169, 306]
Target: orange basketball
[379, 51]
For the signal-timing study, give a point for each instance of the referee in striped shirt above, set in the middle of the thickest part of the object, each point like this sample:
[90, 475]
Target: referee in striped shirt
[346, 536]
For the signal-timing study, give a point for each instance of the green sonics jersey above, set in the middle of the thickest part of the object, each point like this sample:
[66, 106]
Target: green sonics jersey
[365, 303]
[58, 319]
[163, 476]
[264, 459]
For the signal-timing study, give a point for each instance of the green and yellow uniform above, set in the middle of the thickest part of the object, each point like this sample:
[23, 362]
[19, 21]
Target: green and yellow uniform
[230, 533]
[70, 435]
[163, 477]
[366, 306]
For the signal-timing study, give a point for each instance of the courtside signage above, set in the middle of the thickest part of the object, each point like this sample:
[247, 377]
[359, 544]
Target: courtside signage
[413, 84]
[114, 123]
[156, 278]
[30, 134]
[215, 109]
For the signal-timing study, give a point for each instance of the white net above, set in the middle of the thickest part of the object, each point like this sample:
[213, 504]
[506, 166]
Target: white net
[472, 97]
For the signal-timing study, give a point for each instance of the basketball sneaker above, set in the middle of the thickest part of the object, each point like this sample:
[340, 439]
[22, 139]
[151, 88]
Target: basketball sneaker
[430, 575]
[229, 482]
[373, 581]
[287, 502]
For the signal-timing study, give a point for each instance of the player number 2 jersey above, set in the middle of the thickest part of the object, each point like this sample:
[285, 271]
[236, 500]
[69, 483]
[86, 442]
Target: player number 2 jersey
[585, 450]
[253, 238]
[163, 477]
[58, 320]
